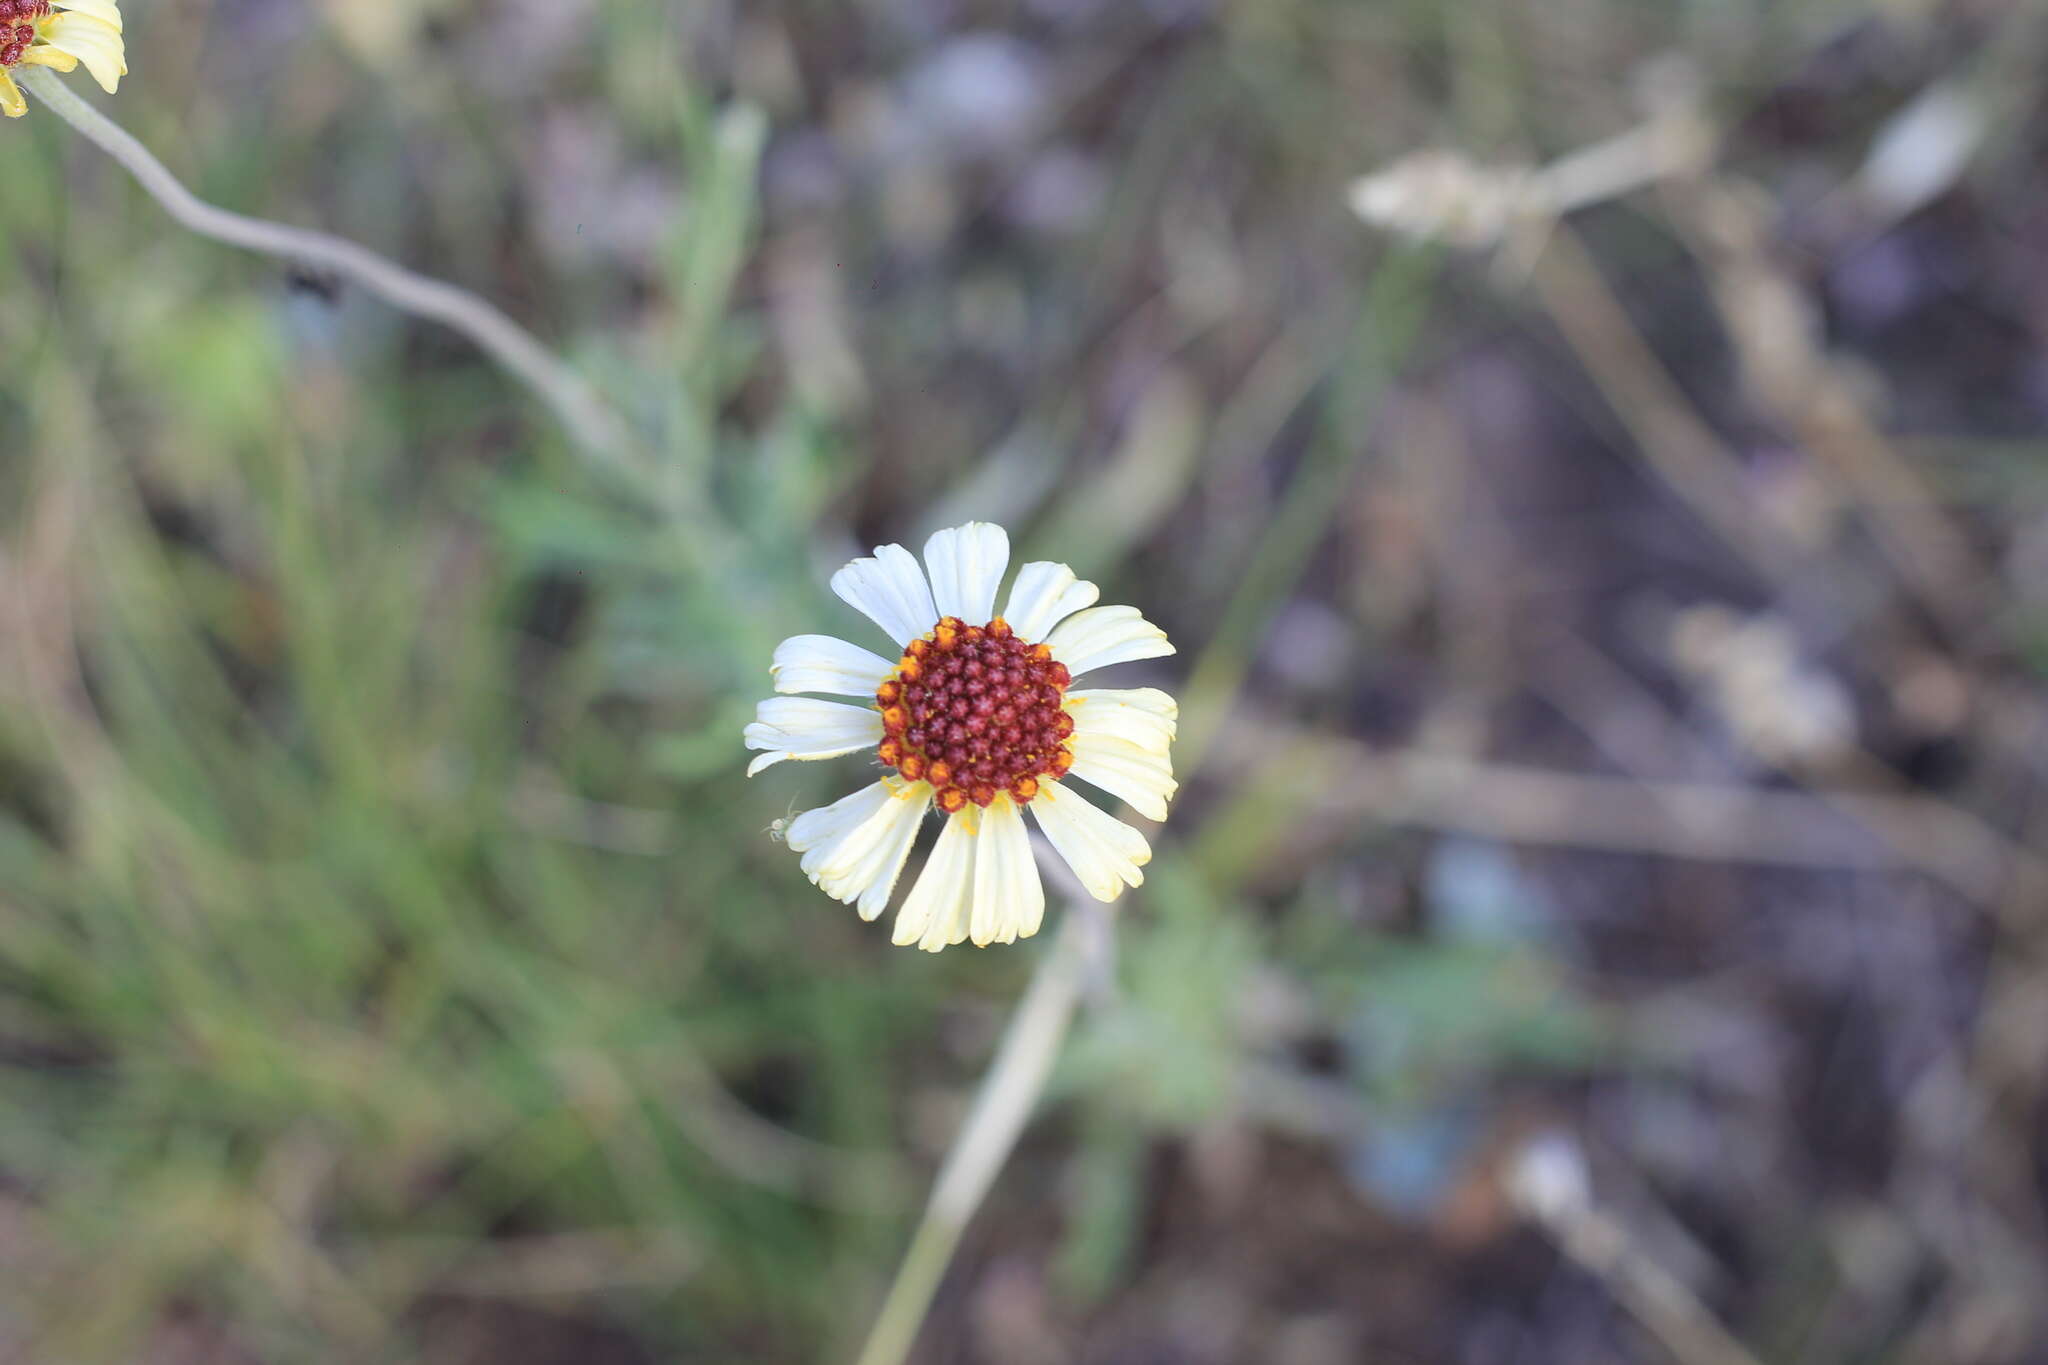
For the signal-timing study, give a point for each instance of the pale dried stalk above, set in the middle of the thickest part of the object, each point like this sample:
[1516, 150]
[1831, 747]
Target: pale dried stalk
[1683, 450]
[1547, 1180]
[1445, 195]
[1709, 821]
[1777, 338]
[1008, 1094]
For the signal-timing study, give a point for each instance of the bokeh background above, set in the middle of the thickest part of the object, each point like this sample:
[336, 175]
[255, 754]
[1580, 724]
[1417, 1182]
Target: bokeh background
[1606, 896]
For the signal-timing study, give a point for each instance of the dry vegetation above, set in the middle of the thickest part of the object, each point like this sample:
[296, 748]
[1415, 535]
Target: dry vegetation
[1606, 913]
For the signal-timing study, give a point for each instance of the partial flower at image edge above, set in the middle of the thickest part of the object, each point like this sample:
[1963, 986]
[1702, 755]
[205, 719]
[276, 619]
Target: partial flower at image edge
[59, 34]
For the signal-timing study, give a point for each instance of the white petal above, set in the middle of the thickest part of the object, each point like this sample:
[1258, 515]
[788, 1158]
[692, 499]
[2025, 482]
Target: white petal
[825, 663]
[1146, 698]
[807, 728]
[893, 851]
[826, 827]
[106, 11]
[1104, 852]
[856, 846]
[94, 42]
[935, 912]
[1144, 716]
[1142, 777]
[967, 564]
[1044, 595]
[1102, 636]
[889, 590]
[1009, 900]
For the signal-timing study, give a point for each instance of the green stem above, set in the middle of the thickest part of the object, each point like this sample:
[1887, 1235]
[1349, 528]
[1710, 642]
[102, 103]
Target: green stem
[1395, 307]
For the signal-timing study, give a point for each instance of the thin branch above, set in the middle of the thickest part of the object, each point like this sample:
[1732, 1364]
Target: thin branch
[590, 424]
[1547, 1180]
[1706, 821]
[1776, 333]
[1694, 463]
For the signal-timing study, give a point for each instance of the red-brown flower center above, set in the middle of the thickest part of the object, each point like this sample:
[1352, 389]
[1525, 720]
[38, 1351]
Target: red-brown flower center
[18, 27]
[974, 711]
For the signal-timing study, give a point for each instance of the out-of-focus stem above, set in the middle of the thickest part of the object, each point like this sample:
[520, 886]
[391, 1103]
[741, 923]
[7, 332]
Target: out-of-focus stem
[1008, 1094]
[590, 424]
[1547, 1179]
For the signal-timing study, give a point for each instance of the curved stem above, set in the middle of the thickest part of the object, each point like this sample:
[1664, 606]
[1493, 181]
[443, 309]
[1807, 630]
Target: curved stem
[1008, 1094]
[588, 421]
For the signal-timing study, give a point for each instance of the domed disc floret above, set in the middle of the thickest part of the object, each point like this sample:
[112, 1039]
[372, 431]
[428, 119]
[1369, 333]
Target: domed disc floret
[975, 711]
[18, 19]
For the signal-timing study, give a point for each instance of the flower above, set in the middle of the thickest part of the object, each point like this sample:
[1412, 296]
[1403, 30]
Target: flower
[59, 34]
[975, 718]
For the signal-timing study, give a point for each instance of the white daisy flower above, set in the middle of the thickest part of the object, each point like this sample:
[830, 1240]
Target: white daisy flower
[979, 721]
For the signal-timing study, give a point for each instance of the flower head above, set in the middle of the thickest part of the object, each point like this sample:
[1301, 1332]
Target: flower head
[978, 718]
[59, 34]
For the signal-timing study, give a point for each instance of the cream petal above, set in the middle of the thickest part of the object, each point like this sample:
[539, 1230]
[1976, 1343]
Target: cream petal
[1101, 636]
[94, 42]
[1145, 698]
[1009, 900]
[50, 57]
[807, 728]
[825, 663]
[106, 11]
[937, 905]
[11, 102]
[856, 847]
[1044, 595]
[890, 590]
[967, 565]
[893, 850]
[1104, 852]
[825, 828]
[1142, 778]
[1111, 715]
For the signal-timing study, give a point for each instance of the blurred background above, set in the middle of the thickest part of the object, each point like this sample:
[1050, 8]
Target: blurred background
[1606, 898]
